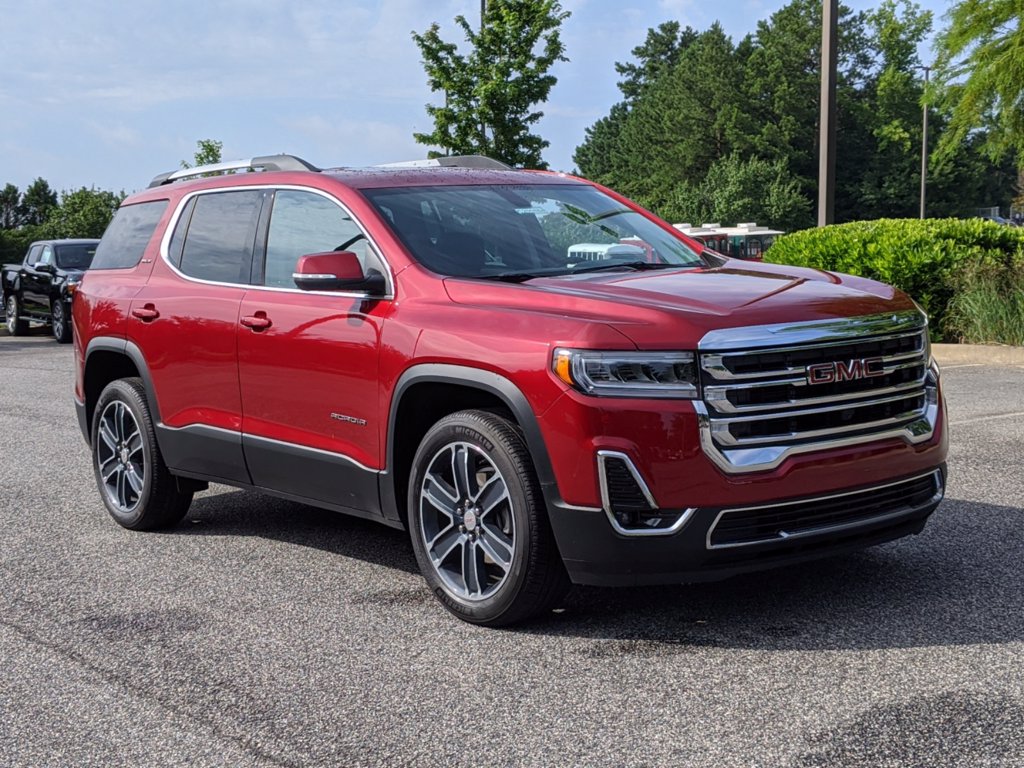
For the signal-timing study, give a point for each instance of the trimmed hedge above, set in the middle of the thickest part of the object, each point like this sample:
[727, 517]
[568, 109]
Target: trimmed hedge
[932, 259]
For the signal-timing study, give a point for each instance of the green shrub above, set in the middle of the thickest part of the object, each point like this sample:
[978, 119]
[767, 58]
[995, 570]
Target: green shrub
[930, 259]
[989, 307]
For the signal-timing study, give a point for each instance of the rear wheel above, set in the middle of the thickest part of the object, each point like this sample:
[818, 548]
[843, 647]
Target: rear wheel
[137, 489]
[16, 326]
[478, 522]
[60, 322]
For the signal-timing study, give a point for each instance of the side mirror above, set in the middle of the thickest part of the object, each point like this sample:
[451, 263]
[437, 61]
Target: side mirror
[336, 271]
[47, 268]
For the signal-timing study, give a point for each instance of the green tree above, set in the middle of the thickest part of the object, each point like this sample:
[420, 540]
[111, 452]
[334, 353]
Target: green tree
[83, 213]
[37, 202]
[208, 152]
[10, 207]
[601, 150]
[889, 178]
[980, 76]
[742, 190]
[687, 119]
[491, 93]
[658, 54]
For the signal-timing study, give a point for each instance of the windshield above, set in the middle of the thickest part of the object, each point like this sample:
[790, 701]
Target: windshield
[522, 231]
[75, 256]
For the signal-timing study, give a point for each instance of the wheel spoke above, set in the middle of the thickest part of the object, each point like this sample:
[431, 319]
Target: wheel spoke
[498, 549]
[442, 502]
[494, 493]
[460, 469]
[104, 473]
[501, 541]
[471, 568]
[109, 438]
[120, 413]
[134, 479]
[122, 489]
[134, 443]
[443, 544]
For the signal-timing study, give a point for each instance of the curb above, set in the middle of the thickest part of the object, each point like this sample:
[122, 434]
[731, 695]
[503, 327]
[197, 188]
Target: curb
[983, 354]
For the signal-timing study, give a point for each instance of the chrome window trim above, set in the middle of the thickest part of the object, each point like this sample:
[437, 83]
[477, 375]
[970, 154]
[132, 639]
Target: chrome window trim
[936, 474]
[172, 224]
[782, 336]
[602, 457]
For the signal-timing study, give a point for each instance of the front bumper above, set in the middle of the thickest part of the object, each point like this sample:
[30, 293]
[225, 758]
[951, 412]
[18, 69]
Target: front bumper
[594, 553]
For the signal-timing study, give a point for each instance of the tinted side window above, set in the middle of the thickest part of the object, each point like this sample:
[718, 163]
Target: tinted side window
[74, 256]
[221, 233]
[47, 257]
[127, 235]
[304, 222]
[33, 255]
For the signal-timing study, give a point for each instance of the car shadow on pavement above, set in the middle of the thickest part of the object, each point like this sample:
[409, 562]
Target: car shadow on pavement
[961, 582]
[958, 583]
[244, 513]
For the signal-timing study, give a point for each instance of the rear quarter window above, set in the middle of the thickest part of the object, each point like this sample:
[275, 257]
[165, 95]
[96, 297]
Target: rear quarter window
[128, 234]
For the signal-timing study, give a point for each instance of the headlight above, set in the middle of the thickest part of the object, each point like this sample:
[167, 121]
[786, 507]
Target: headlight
[628, 374]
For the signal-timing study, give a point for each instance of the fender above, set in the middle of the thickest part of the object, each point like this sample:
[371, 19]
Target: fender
[133, 353]
[492, 383]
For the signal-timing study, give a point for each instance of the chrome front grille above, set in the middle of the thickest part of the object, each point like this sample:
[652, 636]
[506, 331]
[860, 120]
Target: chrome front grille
[772, 391]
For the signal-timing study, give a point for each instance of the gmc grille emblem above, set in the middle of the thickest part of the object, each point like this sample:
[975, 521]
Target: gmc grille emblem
[850, 370]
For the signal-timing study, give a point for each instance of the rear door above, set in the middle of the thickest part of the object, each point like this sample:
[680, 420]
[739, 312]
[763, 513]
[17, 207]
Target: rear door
[308, 362]
[185, 320]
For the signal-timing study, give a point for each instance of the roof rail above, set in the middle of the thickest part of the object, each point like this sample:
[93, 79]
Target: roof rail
[452, 161]
[267, 163]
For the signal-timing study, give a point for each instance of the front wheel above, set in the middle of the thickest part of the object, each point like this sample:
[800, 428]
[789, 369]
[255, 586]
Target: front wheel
[478, 522]
[16, 326]
[60, 322]
[137, 489]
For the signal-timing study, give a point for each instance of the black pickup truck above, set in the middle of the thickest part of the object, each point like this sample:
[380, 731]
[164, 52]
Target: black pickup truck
[41, 287]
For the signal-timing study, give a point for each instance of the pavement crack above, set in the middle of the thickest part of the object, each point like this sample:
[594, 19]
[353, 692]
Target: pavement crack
[82, 661]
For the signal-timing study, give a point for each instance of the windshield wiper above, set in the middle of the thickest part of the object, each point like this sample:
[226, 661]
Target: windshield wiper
[639, 266]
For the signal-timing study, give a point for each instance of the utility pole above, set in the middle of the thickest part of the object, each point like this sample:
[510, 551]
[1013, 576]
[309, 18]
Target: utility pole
[924, 139]
[827, 135]
[483, 126]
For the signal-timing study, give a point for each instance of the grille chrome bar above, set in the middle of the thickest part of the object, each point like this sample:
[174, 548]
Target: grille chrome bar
[714, 363]
[716, 397]
[753, 389]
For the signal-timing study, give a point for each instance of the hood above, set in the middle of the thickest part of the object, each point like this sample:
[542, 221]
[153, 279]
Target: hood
[675, 308]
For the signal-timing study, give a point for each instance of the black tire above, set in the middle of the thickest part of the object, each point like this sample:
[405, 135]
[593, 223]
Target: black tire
[16, 325]
[484, 591]
[60, 322]
[144, 495]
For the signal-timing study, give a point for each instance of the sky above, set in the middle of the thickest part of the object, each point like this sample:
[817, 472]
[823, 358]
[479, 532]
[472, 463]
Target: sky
[109, 93]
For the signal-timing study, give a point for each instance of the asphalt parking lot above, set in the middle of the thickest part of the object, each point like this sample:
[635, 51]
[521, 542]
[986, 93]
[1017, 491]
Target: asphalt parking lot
[264, 633]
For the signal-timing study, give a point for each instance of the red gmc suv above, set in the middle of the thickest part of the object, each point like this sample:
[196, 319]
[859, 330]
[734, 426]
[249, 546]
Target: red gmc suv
[542, 382]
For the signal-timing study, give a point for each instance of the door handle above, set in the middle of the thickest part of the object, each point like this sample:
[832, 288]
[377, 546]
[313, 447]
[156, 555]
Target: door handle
[146, 314]
[257, 322]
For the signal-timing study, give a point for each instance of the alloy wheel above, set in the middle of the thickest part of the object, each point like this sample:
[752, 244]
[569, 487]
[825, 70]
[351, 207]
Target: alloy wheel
[466, 521]
[120, 457]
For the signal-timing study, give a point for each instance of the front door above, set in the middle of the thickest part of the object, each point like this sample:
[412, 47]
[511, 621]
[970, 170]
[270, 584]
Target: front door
[308, 364]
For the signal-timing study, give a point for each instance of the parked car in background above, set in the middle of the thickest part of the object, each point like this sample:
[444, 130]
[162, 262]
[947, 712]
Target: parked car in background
[41, 287]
